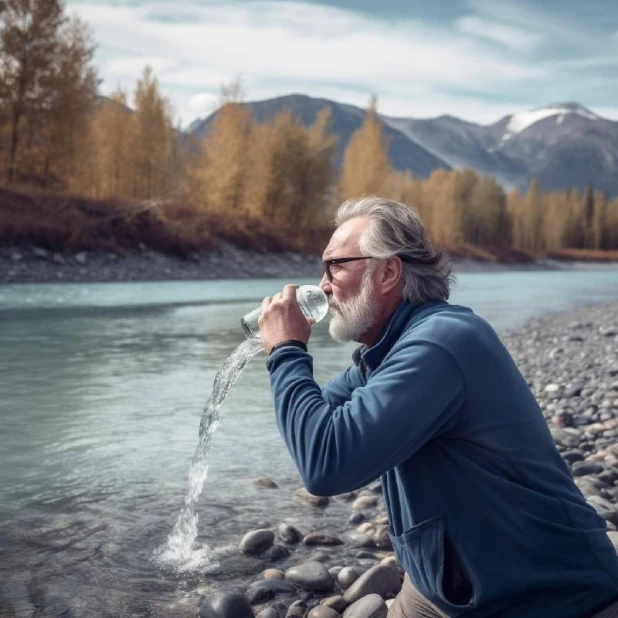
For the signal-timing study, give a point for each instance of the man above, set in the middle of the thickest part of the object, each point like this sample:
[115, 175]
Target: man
[484, 515]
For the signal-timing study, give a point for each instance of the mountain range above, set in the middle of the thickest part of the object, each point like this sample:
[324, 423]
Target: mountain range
[563, 145]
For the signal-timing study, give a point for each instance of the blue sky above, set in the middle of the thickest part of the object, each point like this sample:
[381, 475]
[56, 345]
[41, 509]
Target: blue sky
[476, 59]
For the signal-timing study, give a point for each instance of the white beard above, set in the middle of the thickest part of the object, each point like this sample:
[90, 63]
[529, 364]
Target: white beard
[353, 318]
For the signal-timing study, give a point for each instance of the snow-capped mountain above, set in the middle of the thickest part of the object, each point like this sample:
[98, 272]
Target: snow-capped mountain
[562, 145]
[559, 112]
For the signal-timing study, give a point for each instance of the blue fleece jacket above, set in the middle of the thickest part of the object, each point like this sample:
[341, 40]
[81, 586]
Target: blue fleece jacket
[484, 514]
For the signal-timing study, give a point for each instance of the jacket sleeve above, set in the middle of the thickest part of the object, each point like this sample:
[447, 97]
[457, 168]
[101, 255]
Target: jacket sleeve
[339, 390]
[409, 399]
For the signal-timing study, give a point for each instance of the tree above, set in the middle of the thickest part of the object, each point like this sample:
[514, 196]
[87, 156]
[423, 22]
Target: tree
[47, 90]
[112, 161]
[218, 174]
[28, 48]
[365, 168]
[153, 139]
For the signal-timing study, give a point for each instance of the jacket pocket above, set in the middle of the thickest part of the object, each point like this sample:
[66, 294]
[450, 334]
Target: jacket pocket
[421, 552]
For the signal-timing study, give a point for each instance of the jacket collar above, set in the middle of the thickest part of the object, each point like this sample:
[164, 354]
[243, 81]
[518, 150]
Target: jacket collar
[400, 320]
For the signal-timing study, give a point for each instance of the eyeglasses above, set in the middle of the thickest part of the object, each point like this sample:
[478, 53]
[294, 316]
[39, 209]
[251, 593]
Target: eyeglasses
[329, 263]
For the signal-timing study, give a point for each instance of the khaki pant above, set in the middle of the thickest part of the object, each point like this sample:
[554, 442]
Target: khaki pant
[409, 603]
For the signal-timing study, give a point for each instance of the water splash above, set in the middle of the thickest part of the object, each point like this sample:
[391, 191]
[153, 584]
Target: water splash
[181, 551]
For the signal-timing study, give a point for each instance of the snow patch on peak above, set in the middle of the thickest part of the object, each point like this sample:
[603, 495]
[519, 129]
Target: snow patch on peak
[520, 122]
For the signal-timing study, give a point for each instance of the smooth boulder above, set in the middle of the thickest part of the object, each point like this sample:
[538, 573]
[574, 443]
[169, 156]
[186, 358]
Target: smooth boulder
[257, 542]
[311, 576]
[225, 605]
[370, 606]
[379, 579]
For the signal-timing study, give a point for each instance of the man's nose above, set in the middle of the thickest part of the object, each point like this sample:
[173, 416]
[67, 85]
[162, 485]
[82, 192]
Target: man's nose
[325, 285]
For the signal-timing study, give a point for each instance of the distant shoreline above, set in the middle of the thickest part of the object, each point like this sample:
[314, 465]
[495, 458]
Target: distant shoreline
[38, 265]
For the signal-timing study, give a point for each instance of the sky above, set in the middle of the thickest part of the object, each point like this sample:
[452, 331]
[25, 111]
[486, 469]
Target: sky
[476, 59]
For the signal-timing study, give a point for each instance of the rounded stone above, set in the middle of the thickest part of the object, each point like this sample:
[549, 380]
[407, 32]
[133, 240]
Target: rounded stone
[337, 602]
[274, 574]
[297, 610]
[302, 495]
[311, 576]
[322, 538]
[318, 556]
[382, 539]
[322, 611]
[265, 483]
[370, 606]
[278, 552]
[225, 605]
[268, 612]
[356, 539]
[379, 579]
[356, 518]
[364, 502]
[289, 534]
[257, 542]
[347, 576]
[584, 468]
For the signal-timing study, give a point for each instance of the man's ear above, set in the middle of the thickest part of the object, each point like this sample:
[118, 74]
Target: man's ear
[392, 270]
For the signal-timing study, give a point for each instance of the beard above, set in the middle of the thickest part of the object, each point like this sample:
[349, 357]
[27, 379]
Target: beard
[353, 318]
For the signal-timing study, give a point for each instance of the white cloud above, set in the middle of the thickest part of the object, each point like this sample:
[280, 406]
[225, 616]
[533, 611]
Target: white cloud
[507, 35]
[283, 47]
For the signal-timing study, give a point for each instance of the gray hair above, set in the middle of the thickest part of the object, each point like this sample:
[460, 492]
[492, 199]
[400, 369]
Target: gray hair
[397, 229]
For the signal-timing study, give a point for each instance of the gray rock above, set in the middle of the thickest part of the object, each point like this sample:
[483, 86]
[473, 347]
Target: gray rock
[334, 571]
[318, 556]
[297, 610]
[348, 496]
[574, 391]
[306, 498]
[356, 518]
[364, 502]
[585, 468]
[311, 576]
[225, 605]
[265, 483]
[259, 595]
[322, 538]
[338, 603]
[274, 574]
[347, 576]
[322, 611]
[565, 437]
[370, 606]
[81, 258]
[290, 534]
[379, 579]
[277, 552]
[383, 541]
[41, 253]
[266, 589]
[269, 612]
[257, 542]
[572, 456]
[357, 539]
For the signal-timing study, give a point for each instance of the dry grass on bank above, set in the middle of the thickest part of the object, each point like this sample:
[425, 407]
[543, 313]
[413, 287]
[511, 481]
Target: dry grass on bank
[63, 223]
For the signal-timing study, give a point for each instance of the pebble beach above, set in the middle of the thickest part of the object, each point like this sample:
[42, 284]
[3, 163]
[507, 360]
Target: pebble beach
[570, 361]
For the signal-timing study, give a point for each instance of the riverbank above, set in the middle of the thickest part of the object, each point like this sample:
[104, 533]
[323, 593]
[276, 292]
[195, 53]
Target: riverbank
[571, 363]
[38, 265]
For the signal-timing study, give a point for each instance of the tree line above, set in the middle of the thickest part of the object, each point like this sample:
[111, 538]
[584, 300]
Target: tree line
[57, 133]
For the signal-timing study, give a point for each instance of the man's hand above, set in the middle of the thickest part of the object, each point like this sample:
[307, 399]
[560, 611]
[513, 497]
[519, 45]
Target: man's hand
[282, 319]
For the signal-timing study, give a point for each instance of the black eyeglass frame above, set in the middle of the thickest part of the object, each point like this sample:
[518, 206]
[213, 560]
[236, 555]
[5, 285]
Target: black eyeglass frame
[328, 263]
